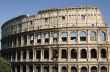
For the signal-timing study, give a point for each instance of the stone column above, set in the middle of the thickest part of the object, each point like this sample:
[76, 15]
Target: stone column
[98, 54]
[59, 55]
[21, 68]
[42, 54]
[21, 55]
[12, 42]
[42, 38]
[107, 35]
[99, 67]
[88, 36]
[28, 40]
[78, 52]
[33, 68]
[41, 68]
[59, 37]
[59, 68]
[51, 37]
[108, 53]
[33, 54]
[27, 55]
[16, 56]
[15, 69]
[89, 54]
[50, 54]
[68, 52]
[69, 68]
[11, 58]
[22, 41]
[108, 68]
[89, 69]
[79, 69]
[97, 37]
[17, 41]
[35, 38]
[68, 36]
[27, 68]
[50, 68]
[78, 36]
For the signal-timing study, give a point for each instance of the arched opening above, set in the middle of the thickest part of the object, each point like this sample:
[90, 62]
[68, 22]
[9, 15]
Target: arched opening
[30, 68]
[46, 54]
[55, 53]
[103, 53]
[55, 36]
[64, 69]
[31, 54]
[92, 36]
[24, 68]
[25, 39]
[94, 69]
[18, 68]
[55, 69]
[73, 53]
[38, 54]
[39, 38]
[37, 68]
[103, 69]
[18, 55]
[83, 36]
[31, 38]
[83, 53]
[102, 36]
[64, 36]
[46, 69]
[13, 68]
[74, 36]
[83, 69]
[19, 40]
[24, 54]
[93, 53]
[13, 55]
[64, 54]
[73, 69]
[14, 41]
[47, 38]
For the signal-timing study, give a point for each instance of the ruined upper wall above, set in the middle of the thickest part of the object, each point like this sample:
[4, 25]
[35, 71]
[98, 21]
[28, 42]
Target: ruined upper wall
[55, 18]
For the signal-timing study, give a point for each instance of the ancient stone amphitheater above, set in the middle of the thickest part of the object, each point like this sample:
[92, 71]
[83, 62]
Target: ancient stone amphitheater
[74, 39]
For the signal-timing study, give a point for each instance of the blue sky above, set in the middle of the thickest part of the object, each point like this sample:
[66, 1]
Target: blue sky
[12, 8]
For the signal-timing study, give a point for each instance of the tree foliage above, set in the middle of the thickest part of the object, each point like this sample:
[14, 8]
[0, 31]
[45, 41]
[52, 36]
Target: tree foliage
[5, 66]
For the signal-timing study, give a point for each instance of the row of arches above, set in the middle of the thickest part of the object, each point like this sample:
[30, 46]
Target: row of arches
[73, 36]
[55, 54]
[46, 68]
[83, 53]
[85, 69]
[29, 39]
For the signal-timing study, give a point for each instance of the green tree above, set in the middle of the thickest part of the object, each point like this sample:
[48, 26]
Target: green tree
[5, 66]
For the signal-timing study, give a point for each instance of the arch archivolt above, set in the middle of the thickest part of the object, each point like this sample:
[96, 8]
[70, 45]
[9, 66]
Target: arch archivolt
[90, 66]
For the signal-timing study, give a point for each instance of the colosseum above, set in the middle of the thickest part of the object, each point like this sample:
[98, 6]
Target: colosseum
[72, 39]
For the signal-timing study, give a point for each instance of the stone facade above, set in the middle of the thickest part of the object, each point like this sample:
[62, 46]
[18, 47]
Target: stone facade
[72, 39]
